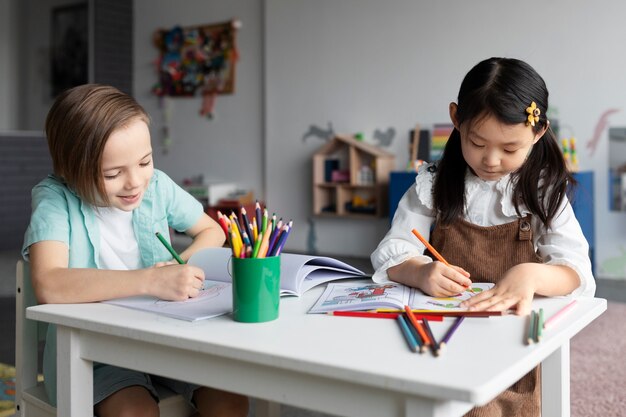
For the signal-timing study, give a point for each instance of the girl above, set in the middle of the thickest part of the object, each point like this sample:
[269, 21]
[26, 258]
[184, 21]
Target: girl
[497, 206]
[92, 236]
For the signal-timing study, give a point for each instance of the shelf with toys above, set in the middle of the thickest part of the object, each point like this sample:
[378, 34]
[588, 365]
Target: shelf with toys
[350, 179]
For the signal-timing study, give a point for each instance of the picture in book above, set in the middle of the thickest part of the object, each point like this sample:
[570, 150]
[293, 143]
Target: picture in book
[368, 295]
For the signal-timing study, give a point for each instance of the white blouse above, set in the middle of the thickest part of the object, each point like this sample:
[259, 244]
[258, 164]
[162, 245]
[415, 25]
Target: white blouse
[488, 203]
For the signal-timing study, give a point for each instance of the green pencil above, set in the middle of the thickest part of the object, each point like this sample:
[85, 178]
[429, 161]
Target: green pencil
[540, 325]
[169, 248]
[531, 328]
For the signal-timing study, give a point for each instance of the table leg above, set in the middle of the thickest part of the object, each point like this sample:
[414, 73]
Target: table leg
[74, 376]
[555, 383]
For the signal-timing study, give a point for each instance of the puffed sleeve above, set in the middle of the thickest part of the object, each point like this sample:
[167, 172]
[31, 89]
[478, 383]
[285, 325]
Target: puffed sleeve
[415, 211]
[565, 244]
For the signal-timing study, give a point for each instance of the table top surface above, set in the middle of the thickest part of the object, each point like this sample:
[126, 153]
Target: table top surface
[484, 356]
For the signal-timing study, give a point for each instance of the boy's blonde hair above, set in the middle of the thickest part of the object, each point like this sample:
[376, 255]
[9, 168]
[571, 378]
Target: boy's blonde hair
[78, 126]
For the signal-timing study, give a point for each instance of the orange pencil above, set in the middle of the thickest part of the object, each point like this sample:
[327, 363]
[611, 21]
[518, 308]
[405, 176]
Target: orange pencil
[432, 250]
[430, 247]
[418, 326]
[264, 244]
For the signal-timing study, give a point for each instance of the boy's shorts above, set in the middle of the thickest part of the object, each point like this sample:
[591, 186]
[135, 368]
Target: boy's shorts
[108, 379]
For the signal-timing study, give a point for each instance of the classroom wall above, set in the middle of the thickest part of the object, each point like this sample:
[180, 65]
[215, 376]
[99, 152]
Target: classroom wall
[366, 65]
[8, 64]
[363, 65]
[230, 146]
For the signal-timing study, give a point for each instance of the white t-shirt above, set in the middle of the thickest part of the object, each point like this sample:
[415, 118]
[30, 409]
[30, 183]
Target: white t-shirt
[118, 244]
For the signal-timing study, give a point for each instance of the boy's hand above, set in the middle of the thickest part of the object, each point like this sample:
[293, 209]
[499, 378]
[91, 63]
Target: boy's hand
[166, 263]
[176, 282]
[514, 291]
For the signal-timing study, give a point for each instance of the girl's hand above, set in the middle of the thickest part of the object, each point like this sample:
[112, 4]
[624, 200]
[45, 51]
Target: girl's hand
[514, 291]
[439, 280]
[176, 282]
[434, 278]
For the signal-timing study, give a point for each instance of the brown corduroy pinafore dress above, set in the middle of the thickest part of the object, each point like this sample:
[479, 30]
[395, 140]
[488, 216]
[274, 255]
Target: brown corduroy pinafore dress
[487, 253]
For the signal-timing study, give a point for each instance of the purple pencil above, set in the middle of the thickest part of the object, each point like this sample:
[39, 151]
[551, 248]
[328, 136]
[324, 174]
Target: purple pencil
[274, 236]
[283, 237]
[449, 334]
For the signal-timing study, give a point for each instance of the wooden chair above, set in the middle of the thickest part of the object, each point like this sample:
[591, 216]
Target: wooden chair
[30, 396]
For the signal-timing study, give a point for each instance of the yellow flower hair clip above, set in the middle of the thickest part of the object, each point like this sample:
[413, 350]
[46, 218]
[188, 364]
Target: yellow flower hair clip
[533, 114]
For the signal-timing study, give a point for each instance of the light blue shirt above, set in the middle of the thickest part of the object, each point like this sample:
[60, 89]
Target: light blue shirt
[59, 214]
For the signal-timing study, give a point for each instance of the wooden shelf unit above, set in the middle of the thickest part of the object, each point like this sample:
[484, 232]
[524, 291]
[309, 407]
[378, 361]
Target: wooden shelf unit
[367, 170]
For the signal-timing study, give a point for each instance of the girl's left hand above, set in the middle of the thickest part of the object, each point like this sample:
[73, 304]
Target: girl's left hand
[514, 291]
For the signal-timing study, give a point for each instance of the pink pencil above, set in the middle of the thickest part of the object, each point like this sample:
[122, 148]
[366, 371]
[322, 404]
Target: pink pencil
[559, 314]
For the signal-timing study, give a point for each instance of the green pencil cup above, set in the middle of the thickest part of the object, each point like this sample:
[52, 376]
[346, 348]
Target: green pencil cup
[256, 289]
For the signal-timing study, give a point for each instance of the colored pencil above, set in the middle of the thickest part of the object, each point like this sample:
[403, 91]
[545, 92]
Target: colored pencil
[245, 221]
[278, 246]
[373, 314]
[264, 244]
[222, 222]
[257, 245]
[444, 313]
[416, 336]
[429, 333]
[257, 213]
[274, 236]
[404, 327]
[169, 248]
[264, 220]
[446, 338]
[559, 314]
[430, 247]
[364, 314]
[540, 322]
[417, 325]
[531, 328]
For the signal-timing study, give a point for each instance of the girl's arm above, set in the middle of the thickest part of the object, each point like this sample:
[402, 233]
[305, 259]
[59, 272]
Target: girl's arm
[205, 233]
[399, 256]
[54, 282]
[566, 268]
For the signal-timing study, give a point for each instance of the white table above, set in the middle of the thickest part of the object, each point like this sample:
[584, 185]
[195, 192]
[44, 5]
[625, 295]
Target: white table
[337, 365]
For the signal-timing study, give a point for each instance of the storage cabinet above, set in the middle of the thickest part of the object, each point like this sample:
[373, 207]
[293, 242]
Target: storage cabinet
[350, 179]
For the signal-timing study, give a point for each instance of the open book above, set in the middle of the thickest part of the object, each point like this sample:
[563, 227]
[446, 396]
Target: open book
[298, 273]
[370, 295]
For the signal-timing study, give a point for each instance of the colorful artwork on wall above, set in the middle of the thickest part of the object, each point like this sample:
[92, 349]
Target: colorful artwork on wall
[197, 60]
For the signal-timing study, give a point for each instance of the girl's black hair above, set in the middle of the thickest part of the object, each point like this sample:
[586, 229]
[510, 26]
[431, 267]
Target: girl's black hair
[504, 88]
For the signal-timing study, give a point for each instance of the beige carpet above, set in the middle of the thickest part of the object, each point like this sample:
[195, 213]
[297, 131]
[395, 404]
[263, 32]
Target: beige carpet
[598, 368]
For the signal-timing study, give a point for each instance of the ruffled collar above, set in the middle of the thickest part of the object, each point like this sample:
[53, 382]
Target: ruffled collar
[473, 184]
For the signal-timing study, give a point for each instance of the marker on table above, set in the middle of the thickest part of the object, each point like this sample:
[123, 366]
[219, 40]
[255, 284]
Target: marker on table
[169, 248]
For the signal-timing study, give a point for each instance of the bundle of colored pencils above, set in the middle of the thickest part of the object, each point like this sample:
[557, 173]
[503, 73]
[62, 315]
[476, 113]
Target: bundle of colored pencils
[536, 323]
[535, 326]
[419, 335]
[260, 238]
